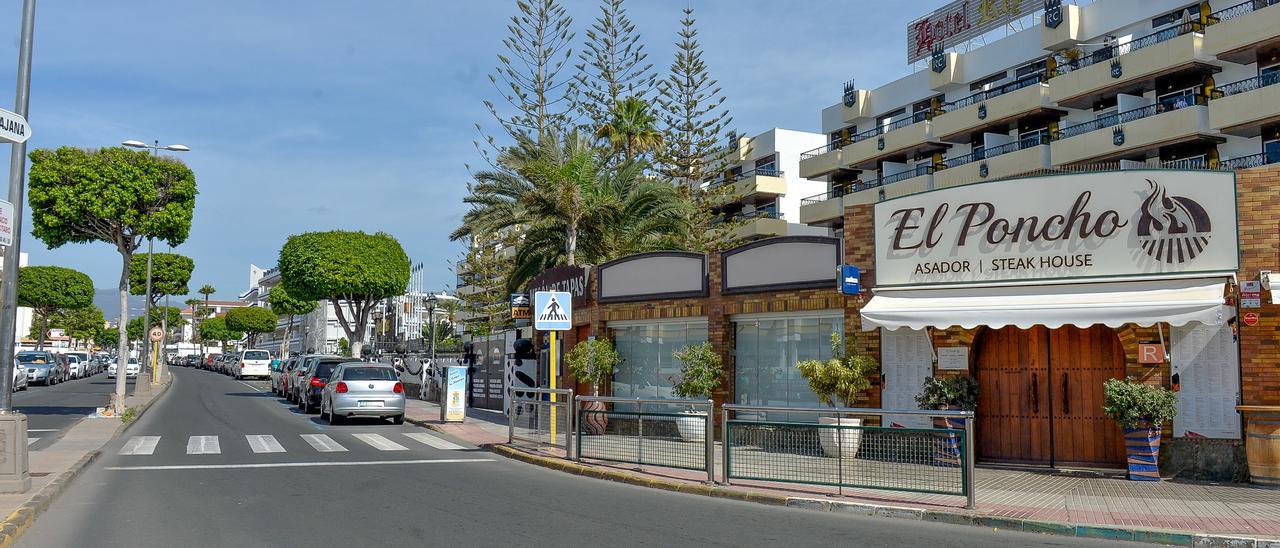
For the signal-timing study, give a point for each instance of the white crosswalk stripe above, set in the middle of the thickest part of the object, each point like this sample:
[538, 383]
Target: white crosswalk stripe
[433, 441]
[323, 443]
[264, 443]
[140, 445]
[203, 445]
[32, 440]
[380, 443]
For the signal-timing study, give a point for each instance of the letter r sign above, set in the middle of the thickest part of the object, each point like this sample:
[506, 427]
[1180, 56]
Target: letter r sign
[1150, 353]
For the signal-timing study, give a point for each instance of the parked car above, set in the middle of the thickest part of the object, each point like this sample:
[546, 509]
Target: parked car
[87, 365]
[312, 382]
[20, 381]
[131, 369]
[75, 368]
[364, 390]
[278, 368]
[296, 377]
[41, 366]
[252, 363]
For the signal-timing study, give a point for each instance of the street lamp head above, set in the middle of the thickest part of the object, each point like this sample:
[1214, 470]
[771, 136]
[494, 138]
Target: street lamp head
[178, 148]
[134, 144]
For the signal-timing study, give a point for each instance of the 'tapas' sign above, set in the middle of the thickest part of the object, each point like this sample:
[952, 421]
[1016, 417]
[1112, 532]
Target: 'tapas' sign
[1121, 223]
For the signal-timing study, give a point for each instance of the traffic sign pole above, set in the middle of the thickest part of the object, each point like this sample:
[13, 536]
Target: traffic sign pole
[552, 375]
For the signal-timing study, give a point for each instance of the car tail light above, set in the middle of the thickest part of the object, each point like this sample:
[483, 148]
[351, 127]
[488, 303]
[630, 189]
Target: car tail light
[399, 388]
[317, 382]
[341, 388]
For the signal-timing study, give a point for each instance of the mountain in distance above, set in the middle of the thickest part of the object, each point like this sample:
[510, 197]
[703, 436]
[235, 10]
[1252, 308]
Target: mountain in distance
[109, 301]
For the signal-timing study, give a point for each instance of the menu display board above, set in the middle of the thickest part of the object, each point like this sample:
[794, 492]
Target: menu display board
[906, 358]
[1206, 362]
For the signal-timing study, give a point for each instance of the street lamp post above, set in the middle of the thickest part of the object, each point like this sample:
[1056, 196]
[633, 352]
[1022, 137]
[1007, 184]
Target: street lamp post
[431, 321]
[146, 314]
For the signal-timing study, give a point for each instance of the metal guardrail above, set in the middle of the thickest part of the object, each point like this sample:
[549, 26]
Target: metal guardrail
[836, 144]
[659, 432]
[835, 451]
[1245, 162]
[1026, 81]
[1105, 54]
[1026, 142]
[543, 420]
[1239, 10]
[769, 170]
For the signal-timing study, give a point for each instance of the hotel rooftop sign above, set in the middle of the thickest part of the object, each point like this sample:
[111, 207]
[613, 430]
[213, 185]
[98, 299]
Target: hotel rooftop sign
[1091, 225]
[961, 21]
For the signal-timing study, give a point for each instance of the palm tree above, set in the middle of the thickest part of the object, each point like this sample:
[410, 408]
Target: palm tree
[632, 129]
[194, 303]
[205, 290]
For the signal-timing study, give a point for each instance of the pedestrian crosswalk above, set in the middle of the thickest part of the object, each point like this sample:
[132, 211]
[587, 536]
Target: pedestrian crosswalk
[267, 443]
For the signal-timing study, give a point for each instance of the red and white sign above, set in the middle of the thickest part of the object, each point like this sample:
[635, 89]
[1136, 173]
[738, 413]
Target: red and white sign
[1251, 318]
[6, 223]
[960, 21]
[1150, 353]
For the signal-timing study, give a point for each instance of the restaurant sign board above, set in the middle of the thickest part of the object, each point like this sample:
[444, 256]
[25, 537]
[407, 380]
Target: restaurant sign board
[1147, 223]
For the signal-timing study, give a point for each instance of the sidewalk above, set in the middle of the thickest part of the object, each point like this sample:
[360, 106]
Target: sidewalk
[1171, 512]
[51, 469]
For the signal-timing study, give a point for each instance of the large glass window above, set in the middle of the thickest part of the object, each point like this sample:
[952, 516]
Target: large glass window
[648, 369]
[766, 351]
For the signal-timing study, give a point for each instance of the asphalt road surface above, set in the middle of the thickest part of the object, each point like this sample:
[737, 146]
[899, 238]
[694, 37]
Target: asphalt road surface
[51, 410]
[219, 462]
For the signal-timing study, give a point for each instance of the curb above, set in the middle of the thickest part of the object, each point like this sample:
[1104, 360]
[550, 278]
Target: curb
[1152, 536]
[16, 523]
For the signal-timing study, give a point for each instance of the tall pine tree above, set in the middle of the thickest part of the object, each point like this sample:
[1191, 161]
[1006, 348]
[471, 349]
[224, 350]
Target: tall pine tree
[695, 120]
[612, 66]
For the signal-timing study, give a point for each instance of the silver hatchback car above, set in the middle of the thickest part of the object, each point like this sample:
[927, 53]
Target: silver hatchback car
[363, 390]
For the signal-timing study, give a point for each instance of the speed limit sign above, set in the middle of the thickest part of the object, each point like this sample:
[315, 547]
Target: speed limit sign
[155, 334]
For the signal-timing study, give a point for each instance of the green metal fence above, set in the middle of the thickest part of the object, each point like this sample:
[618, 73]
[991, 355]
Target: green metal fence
[658, 432]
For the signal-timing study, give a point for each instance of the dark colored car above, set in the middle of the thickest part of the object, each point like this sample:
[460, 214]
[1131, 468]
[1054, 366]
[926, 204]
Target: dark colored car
[312, 382]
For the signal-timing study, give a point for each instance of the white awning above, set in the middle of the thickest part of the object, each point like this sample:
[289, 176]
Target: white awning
[1174, 301]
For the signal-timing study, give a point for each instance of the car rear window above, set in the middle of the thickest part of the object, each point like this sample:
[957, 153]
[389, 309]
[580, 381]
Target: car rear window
[325, 368]
[369, 374]
[257, 355]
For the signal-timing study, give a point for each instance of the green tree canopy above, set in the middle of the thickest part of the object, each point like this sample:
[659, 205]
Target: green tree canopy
[284, 304]
[631, 129]
[48, 290]
[252, 320]
[170, 273]
[354, 271]
[215, 329]
[85, 324]
[112, 195]
[137, 333]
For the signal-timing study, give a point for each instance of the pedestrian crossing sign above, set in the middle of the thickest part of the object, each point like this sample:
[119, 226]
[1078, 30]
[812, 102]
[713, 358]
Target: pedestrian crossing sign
[553, 311]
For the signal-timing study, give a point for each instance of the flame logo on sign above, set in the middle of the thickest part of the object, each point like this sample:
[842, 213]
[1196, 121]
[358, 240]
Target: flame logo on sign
[1172, 229]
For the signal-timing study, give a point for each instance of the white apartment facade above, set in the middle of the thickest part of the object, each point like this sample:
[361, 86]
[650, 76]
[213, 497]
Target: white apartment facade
[1111, 84]
[765, 172]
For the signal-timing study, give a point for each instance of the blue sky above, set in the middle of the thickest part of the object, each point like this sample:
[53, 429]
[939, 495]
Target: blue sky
[315, 115]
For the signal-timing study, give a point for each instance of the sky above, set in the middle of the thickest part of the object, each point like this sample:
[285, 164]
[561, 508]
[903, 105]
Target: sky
[357, 115]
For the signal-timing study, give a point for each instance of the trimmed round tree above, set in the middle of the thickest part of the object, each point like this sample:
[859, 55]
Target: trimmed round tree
[252, 320]
[49, 290]
[215, 329]
[113, 195]
[354, 271]
[284, 304]
[170, 273]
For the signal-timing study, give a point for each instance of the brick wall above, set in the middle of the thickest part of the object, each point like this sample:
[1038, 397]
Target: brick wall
[1258, 202]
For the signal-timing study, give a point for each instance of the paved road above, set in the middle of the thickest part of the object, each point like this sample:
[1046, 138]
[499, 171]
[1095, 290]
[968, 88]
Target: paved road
[51, 410]
[219, 463]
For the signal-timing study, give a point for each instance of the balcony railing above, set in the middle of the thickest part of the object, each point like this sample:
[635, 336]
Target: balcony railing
[1240, 10]
[767, 170]
[1245, 162]
[1125, 117]
[1107, 53]
[993, 92]
[835, 144]
[914, 118]
[1246, 85]
[837, 190]
[1033, 140]
[762, 214]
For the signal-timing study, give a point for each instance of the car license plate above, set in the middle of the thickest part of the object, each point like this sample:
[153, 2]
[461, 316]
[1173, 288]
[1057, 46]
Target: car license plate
[366, 403]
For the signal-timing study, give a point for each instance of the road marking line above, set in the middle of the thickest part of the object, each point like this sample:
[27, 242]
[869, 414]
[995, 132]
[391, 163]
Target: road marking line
[264, 443]
[203, 445]
[296, 464]
[42, 429]
[256, 389]
[433, 441]
[140, 445]
[323, 443]
[32, 440]
[380, 443]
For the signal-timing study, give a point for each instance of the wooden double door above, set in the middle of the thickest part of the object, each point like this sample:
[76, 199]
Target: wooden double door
[1041, 399]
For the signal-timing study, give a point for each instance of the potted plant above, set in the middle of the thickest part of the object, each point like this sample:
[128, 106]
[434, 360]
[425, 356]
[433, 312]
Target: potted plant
[841, 378]
[592, 361]
[956, 392]
[700, 373]
[1141, 410]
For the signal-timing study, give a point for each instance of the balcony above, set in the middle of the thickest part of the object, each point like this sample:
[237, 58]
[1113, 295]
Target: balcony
[1008, 160]
[994, 107]
[1130, 66]
[1132, 132]
[1242, 108]
[762, 224]
[760, 185]
[902, 139]
[821, 161]
[1237, 33]
[826, 209]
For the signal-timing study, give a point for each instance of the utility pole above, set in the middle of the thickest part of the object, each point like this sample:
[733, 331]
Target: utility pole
[14, 474]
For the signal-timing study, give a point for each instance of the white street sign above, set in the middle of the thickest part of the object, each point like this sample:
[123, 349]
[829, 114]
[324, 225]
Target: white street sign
[6, 223]
[13, 128]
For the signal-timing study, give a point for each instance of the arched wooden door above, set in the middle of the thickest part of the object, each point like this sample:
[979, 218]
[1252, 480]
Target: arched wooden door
[1041, 400]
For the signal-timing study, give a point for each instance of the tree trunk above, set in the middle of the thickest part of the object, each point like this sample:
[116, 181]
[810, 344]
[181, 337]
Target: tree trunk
[122, 357]
[288, 331]
[44, 330]
[571, 243]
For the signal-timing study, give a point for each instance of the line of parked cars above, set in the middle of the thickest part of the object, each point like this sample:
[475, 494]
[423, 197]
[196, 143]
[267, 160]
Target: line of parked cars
[47, 368]
[339, 388]
[241, 365]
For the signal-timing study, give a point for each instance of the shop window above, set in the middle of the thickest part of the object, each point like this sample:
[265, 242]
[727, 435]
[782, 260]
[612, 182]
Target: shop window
[766, 351]
[648, 369]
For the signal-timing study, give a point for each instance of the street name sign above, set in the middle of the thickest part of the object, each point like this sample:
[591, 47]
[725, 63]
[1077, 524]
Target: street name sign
[6, 223]
[13, 128]
[552, 311]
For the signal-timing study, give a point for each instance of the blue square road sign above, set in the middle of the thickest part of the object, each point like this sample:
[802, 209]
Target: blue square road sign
[552, 311]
